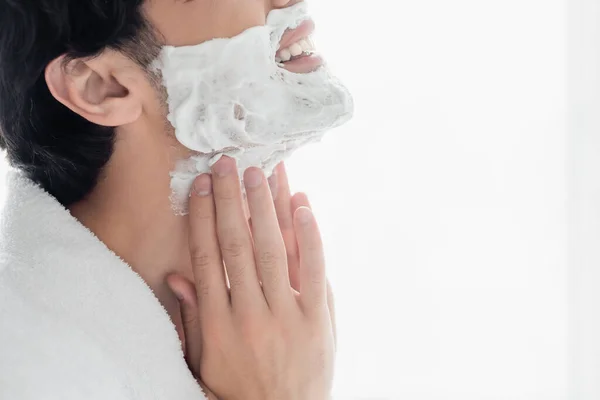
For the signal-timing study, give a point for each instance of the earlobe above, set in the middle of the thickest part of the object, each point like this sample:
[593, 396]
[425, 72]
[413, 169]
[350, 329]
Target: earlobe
[91, 90]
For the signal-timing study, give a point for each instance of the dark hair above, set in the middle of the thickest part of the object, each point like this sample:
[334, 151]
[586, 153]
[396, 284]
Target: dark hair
[58, 149]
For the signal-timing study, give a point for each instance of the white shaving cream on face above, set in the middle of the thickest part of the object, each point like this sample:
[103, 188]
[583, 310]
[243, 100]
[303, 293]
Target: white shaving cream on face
[230, 97]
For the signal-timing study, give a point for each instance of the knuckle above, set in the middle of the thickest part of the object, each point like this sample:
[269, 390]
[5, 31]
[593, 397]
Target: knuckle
[233, 248]
[237, 276]
[269, 258]
[202, 287]
[270, 261]
[201, 262]
[270, 264]
[316, 277]
[201, 258]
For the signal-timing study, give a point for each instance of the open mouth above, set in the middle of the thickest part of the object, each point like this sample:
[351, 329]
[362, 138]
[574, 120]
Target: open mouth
[297, 51]
[302, 48]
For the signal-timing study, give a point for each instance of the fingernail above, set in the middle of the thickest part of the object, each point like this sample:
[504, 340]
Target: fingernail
[203, 185]
[224, 166]
[305, 215]
[273, 185]
[253, 177]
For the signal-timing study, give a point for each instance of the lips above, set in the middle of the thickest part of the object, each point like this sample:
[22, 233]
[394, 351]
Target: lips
[296, 52]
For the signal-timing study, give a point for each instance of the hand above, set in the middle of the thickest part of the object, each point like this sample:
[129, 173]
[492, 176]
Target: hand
[258, 338]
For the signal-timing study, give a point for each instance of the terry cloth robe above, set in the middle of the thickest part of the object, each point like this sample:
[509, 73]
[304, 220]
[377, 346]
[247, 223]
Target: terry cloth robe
[76, 322]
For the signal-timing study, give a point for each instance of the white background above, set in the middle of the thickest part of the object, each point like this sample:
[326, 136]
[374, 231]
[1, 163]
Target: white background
[444, 202]
[584, 195]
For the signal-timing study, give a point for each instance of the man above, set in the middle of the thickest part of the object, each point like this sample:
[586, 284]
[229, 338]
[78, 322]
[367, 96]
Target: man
[83, 119]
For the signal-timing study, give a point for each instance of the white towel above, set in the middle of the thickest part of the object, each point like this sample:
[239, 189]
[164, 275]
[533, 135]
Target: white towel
[76, 322]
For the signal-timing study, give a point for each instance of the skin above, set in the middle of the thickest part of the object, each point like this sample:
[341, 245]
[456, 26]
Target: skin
[271, 332]
[130, 211]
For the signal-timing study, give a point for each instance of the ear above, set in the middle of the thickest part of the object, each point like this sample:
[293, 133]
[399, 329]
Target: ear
[101, 90]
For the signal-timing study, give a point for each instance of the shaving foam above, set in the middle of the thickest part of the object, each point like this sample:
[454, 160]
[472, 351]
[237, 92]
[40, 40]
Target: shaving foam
[228, 96]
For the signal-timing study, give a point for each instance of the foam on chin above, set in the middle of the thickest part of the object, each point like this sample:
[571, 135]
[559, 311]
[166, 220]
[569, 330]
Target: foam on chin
[229, 97]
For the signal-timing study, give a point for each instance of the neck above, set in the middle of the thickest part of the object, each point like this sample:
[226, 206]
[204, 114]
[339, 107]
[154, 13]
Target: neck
[130, 211]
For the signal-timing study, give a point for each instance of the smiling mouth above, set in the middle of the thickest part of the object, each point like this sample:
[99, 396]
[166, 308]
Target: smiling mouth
[302, 48]
[297, 51]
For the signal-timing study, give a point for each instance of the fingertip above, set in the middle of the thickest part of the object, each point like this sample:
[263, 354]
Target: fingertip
[172, 280]
[300, 200]
[225, 166]
[304, 216]
[253, 177]
[202, 186]
[182, 289]
[281, 170]
[177, 292]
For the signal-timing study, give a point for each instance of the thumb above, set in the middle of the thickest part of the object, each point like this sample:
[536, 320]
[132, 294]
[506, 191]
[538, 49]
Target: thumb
[185, 292]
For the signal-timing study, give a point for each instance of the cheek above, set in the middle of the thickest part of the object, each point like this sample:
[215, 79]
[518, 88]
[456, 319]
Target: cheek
[184, 24]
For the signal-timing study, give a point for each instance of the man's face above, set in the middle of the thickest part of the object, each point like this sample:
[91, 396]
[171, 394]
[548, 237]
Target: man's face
[191, 22]
[247, 95]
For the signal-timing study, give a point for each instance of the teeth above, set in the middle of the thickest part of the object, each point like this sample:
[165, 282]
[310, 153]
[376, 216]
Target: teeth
[285, 55]
[305, 45]
[302, 46]
[296, 49]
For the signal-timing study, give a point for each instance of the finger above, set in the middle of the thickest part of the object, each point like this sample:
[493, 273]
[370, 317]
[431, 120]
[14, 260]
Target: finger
[312, 260]
[190, 315]
[285, 216]
[207, 263]
[274, 184]
[297, 201]
[269, 247]
[300, 200]
[331, 306]
[234, 236]
[282, 201]
[246, 209]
